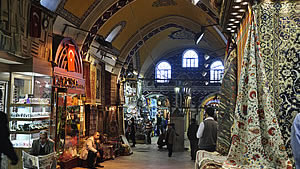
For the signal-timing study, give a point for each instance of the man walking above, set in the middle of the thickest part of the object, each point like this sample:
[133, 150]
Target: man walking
[192, 131]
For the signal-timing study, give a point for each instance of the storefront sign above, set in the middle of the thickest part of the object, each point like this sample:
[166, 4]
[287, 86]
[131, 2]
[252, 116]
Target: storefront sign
[67, 82]
[68, 72]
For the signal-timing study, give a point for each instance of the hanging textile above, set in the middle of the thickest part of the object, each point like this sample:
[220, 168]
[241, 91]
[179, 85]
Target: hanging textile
[279, 36]
[256, 137]
[227, 104]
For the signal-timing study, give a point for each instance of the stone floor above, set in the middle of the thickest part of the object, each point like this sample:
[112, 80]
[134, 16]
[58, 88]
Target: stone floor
[147, 156]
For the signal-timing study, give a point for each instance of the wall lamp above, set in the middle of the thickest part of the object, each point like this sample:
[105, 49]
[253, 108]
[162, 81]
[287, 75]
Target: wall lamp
[199, 35]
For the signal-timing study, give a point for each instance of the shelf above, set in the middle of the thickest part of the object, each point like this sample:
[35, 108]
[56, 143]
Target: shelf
[30, 119]
[27, 132]
[29, 105]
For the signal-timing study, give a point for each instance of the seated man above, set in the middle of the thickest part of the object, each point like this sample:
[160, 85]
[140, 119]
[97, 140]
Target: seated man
[43, 146]
[89, 151]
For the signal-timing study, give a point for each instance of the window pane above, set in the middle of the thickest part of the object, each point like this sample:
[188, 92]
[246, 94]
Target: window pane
[192, 62]
[190, 58]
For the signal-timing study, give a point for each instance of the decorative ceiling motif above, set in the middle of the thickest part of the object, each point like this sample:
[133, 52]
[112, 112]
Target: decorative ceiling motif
[140, 43]
[63, 11]
[101, 20]
[182, 34]
[160, 3]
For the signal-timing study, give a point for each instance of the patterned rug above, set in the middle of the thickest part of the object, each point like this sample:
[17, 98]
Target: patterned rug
[227, 104]
[256, 136]
[278, 28]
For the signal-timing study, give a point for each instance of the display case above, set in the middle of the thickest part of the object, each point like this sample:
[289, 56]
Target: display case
[30, 107]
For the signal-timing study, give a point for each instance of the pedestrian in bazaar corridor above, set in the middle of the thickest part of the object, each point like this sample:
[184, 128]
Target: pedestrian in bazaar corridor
[6, 146]
[295, 140]
[132, 131]
[207, 131]
[91, 152]
[170, 138]
[192, 131]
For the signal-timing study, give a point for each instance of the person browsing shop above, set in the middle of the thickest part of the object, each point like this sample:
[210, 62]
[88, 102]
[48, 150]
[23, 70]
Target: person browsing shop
[6, 146]
[207, 131]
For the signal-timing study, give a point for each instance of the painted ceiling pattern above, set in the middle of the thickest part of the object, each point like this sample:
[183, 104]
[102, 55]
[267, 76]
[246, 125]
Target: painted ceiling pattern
[160, 3]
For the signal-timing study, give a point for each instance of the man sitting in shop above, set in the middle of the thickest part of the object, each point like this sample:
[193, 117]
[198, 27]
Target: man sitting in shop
[43, 146]
[89, 151]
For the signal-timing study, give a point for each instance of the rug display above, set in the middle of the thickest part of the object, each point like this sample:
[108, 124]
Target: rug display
[279, 36]
[208, 160]
[256, 136]
[227, 103]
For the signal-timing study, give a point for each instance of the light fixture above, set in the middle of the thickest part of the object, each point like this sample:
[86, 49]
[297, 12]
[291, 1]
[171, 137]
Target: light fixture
[230, 24]
[238, 1]
[236, 6]
[206, 57]
[206, 65]
[232, 19]
[176, 89]
[199, 35]
[234, 13]
[236, 21]
[228, 28]
[204, 74]
[238, 16]
[206, 83]
[242, 10]
[244, 3]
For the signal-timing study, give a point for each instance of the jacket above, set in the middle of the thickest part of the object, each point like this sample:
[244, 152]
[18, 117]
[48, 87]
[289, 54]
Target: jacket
[170, 136]
[35, 149]
[192, 131]
[89, 145]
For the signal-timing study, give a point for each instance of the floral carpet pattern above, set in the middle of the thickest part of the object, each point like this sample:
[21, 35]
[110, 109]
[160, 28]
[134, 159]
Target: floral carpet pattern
[280, 43]
[256, 137]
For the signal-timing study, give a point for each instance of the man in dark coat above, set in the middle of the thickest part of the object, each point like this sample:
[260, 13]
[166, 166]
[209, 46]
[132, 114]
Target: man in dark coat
[6, 146]
[192, 131]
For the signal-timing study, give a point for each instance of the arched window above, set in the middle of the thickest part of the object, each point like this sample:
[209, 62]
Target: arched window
[216, 72]
[163, 72]
[190, 58]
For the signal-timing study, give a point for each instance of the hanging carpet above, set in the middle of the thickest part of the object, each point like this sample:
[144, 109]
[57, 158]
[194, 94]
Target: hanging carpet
[256, 136]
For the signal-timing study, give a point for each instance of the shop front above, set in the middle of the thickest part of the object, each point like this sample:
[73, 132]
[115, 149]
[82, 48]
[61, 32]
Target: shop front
[68, 113]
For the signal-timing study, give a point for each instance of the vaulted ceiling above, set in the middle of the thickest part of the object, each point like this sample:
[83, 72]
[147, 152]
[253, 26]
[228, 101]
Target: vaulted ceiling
[151, 28]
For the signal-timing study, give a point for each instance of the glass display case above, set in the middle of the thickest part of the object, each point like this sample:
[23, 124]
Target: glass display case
[30, 107]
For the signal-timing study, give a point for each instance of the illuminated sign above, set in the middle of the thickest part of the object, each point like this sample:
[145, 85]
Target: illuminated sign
[71, 58]
[68, 82]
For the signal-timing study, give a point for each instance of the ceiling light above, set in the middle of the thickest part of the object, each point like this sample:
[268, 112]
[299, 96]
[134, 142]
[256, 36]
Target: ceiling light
[228, 28]
[230, 24]
[236, 21]
[198, 37]
[238, 1]
[234, 13]
[244, 3]
[239, 16]
[204, 74]
[232, 19]
[234, 26]
[242, 10]
[206, 65]
[232, 31]
[236, 7]
[206, 83]
[206, 57]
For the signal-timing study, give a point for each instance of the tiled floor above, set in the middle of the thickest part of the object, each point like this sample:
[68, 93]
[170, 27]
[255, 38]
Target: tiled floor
[148, 157]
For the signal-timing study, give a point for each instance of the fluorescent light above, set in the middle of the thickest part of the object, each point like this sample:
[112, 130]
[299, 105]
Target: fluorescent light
[241, 10]
[239, 16]
[232, 19]
[237, 6]
[238, 1]
[198, 37]
[236, 21]
[234, 13]
[244, 3]
[228, 28]
[230, 24]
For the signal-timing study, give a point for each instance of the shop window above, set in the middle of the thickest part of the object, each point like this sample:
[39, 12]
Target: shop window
[190, 59]
[216, 72]
[163, 72]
